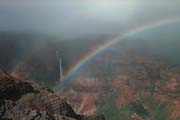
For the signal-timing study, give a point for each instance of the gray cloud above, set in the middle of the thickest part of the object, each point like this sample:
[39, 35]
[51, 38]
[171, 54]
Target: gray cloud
[77, 17]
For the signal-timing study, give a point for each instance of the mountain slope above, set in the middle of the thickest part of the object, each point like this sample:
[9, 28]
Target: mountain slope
[126, 86]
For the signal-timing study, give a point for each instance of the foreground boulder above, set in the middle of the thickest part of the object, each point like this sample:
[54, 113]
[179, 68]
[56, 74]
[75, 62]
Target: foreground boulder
[25, 100]
[11, 88]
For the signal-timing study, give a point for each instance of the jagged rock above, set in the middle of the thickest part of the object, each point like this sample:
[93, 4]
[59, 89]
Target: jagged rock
[12, 89]
[24, 100]
[5, 105]
[10, 110]
[45, 101]
[55, 105]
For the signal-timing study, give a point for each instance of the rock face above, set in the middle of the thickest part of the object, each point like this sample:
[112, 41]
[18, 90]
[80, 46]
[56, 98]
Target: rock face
[25, 100]
[10, 110]
[11, 88]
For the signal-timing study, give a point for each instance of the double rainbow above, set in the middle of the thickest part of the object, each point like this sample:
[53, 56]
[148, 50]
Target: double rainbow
[100, 48]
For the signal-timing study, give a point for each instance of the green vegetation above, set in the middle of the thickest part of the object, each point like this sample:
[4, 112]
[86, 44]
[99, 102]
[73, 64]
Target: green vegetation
[139, 109]
[109, 108]
[50, 90]
[157, 110]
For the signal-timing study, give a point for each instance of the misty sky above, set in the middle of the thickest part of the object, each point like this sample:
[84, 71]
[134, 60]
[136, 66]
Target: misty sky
[77, 17]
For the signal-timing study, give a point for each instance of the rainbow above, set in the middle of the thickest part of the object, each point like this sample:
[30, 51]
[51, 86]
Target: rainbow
[100, 48]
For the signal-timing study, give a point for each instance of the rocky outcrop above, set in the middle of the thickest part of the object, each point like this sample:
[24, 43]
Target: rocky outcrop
[47, 102]
[11, 88]
[24, 100]
[11, 110]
